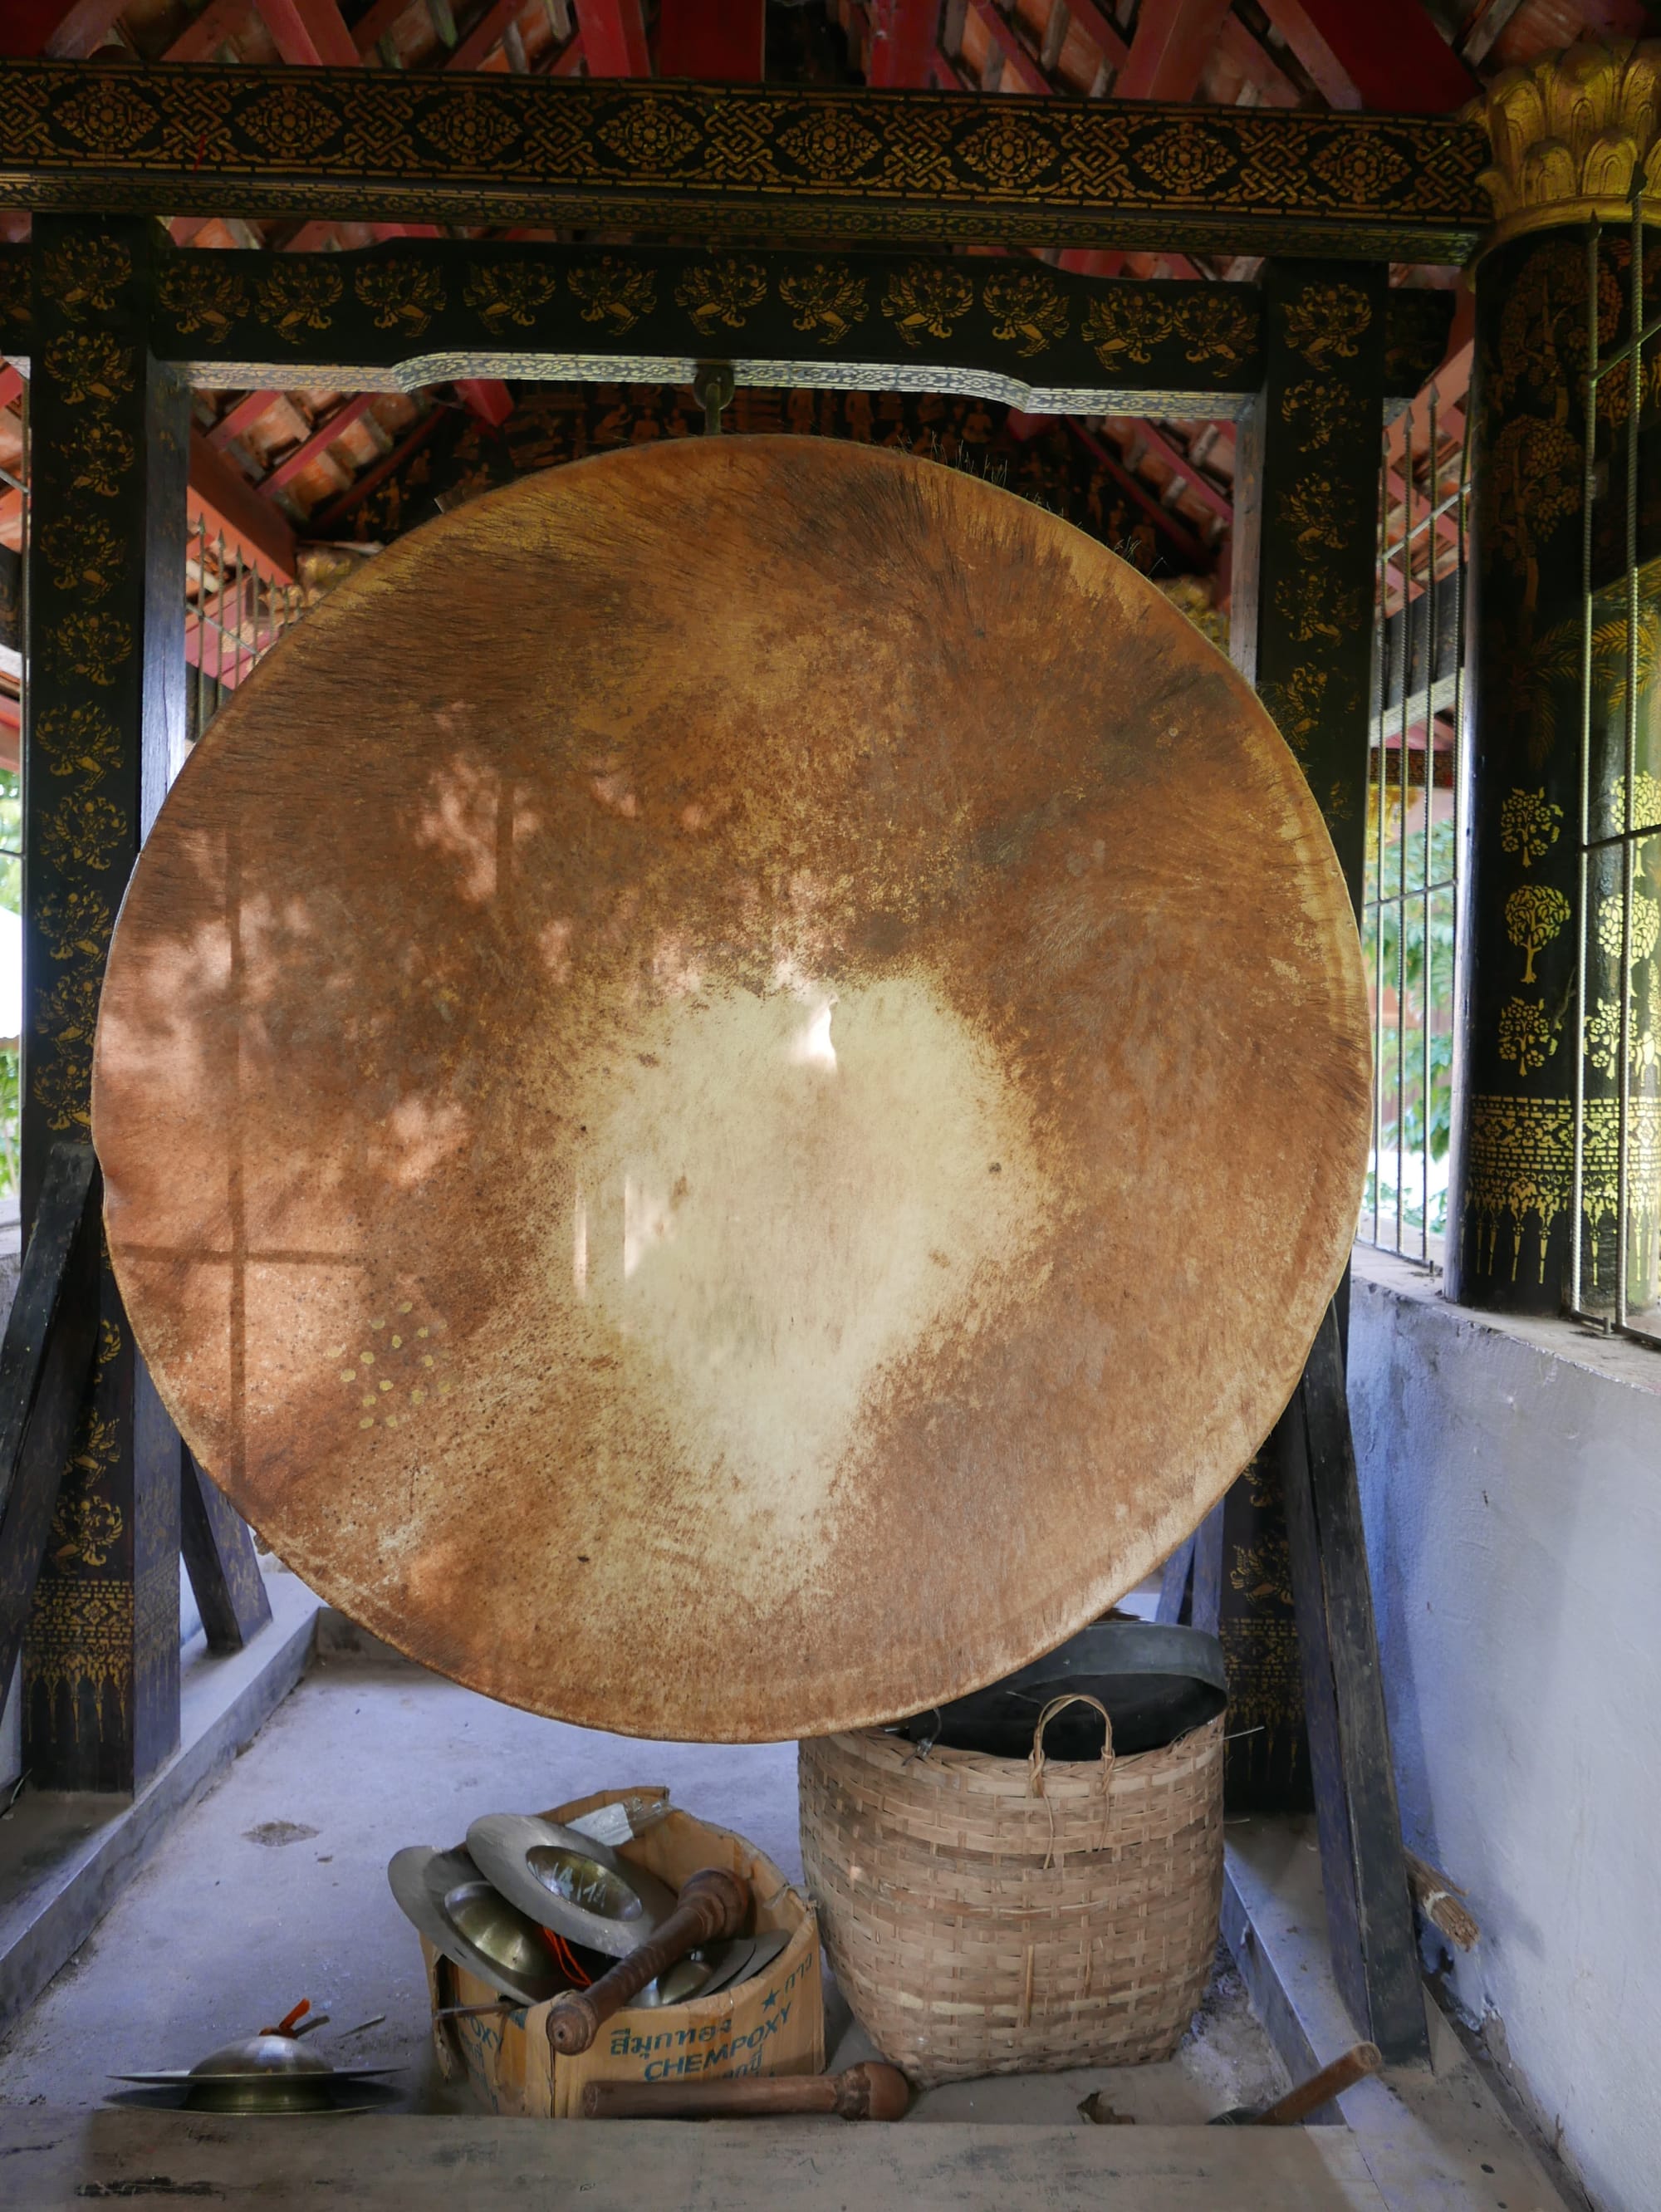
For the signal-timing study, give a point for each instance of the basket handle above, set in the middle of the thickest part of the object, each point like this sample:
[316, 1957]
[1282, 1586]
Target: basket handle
[1035, 1763]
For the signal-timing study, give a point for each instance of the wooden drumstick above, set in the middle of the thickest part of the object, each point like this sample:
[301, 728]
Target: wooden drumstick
[712, 1904]
[870, 2092]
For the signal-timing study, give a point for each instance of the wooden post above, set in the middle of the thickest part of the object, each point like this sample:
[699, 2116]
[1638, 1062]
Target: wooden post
[105, 728]
[1375, 1956]
[220, 1555]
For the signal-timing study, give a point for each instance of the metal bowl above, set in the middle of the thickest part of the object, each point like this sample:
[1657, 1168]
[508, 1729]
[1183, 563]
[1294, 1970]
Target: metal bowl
[1157, 1681]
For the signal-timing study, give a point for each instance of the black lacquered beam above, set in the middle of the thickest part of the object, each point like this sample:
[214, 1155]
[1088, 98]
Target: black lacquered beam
[397, 316]
[740, 159]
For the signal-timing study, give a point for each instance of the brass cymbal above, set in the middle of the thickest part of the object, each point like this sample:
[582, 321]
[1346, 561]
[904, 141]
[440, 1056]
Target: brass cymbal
[730, 1091]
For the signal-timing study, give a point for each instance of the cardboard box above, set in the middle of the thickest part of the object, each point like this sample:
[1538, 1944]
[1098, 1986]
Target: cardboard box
[774, 2023]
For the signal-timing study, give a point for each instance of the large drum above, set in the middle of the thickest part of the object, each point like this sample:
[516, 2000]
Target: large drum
[731, 1092]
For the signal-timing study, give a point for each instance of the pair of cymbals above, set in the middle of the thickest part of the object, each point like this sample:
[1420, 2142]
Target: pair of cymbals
[268, 2075]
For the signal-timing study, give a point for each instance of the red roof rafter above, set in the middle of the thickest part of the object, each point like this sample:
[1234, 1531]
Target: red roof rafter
[614, 37]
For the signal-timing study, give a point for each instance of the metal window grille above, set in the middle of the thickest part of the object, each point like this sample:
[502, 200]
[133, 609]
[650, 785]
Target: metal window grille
[1413, 824]
[235, 612]
[1616, 1223]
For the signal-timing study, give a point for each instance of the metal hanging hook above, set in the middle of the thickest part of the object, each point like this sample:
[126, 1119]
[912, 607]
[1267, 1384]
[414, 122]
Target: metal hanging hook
[713, 386]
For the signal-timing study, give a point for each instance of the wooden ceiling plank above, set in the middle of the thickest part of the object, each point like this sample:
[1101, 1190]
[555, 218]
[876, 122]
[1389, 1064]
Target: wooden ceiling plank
[238, 420]
[1393, 59]
[230, 506]
[614, 37]
[1257, 65]
[1175, 459]
[903, 34]
[11, 386]
[1017, 58]
[321, 439]
[727, 45]
[486, 35]
[1174, 41]
[487, 397]
[220, 22]
[326, 26]
[289, 33]
[1101, 30]
[1162, 516]
[383, 18]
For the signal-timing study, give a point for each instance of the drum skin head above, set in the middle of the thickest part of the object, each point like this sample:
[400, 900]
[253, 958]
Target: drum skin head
[731, 1093]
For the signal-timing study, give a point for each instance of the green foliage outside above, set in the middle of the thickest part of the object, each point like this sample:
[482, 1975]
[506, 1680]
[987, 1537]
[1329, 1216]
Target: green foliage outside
[1402, 1042]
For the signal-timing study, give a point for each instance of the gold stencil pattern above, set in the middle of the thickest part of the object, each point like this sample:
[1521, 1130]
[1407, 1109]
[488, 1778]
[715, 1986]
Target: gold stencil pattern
[1535, 913]
[1028, 312]
[84, 271]
[927, 301]
[1521, 1172]
[1326, 323]
[824, 299]
[298, 293]
[395, 1368]
[1526, 1035]
[404, 295]
[202, 297]
[513, 294]
[722, 294]
[1530, 824]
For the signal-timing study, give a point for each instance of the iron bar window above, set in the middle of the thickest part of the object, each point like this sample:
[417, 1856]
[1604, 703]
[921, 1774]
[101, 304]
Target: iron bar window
[1414, 825]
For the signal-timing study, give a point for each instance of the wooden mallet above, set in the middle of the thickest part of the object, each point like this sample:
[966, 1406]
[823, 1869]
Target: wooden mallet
[870, 2092]
[712, 1904]
[1355, 2064]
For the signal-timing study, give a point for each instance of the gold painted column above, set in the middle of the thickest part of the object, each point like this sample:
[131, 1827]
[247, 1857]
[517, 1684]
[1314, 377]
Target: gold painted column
[1572, 137]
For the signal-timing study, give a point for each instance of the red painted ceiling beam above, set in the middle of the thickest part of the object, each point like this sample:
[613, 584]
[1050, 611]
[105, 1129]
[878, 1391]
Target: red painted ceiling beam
[371, 477]
[1174, 41]
[1162, 516]
[1367, 55]
[1175, 459]
[11, 385]
[487, 397]
[726, 43]
[321, 439]
[486, 35]
[326, 28]
[65, 30]
[231, 506]
[220, 22]
[1016, 58]
[903, 34]
[370, 29]
[614, 37]
[1099, 29]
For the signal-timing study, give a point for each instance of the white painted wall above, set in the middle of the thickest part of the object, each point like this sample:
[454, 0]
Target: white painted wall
[1511, 1476]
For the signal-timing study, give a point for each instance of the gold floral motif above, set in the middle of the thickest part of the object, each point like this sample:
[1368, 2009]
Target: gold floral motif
[81, 1638]
[82, 741]
[1028, 310]
[1645, 788]
[1534, 482]
[85, 556]
[62, 1090]
[1603, 1037]
[1645, 925]
[98, 453]
[76, 925]
[1186, 160]
[289, 120]
[90, 645]
[1318, 411]
[17, 292]
[1326, 322]
[829, 145]
[1214, 328]
[927, 301]
[90, 365]
[1535, 913]
[87, 1527]
[1360, 169]
[1600, 1189]
[1011, 150]
[1530, 824]
[84, 271]
[297, 294]
[105, 114]
[405, 295]
[1526, 1035]
[1312, 509]
[1124, 325]
[1313, 604]
[721, 293]
[650, 132]
[69, 1013]
[83, 831]
[1296, 705]
[471, 130]
[513, 291]
[200, 296]
[1521, 1167]
[824, 299]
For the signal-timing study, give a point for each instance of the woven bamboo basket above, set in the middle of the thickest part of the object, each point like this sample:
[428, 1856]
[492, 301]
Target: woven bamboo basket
[1001, 1916]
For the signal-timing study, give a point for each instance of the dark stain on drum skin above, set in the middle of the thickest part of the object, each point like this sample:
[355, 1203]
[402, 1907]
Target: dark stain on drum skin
[894, 722]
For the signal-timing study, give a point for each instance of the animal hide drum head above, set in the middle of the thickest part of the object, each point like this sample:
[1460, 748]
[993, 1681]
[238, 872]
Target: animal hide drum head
[730, 1091]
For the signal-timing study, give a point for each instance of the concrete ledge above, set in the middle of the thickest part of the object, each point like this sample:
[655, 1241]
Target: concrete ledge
[1436, 2141]
[64, 1857]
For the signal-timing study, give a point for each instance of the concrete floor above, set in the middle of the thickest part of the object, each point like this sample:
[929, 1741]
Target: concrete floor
[274, 1888]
